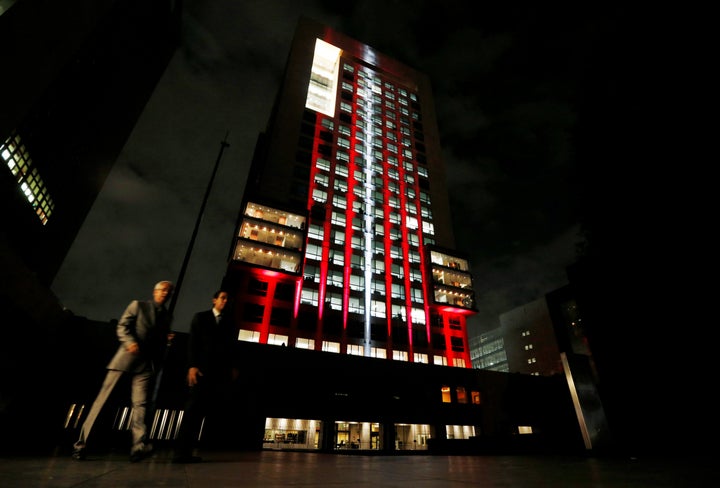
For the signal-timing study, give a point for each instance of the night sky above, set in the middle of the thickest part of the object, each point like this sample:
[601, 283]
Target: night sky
[510, 87]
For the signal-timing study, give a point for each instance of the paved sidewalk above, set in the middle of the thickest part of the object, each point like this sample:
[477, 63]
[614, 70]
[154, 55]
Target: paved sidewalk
[270, 469]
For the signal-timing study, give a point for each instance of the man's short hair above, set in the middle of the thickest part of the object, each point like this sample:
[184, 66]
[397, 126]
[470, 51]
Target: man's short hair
[163, 284]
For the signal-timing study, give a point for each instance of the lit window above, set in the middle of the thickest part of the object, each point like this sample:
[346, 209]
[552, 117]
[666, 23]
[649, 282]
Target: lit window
[319, 196]
[303, 343]
[277, 339]
[18, 161]
[323, 78]
[249, 335]
[420, 358]
[400, 355]
[445, 393]
[323, 164]
[329, 346]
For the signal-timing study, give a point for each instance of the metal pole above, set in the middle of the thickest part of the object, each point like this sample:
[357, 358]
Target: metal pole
[183, 269]
[188, 252]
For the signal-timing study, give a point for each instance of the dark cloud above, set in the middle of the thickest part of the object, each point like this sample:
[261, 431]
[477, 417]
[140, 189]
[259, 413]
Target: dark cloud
[506, 81]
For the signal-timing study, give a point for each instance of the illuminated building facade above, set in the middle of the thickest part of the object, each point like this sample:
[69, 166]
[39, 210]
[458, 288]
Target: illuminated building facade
[344, 241]
[342, 254]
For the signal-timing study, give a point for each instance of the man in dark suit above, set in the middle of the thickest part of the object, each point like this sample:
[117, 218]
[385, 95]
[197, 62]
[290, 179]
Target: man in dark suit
[143, 332]
[211, 371]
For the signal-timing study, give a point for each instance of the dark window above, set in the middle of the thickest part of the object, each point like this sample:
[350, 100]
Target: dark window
[305, 143]
[333, 325]
[308, 130]
[378, 332]
[438, 341]
[309, 116]
[355, 329]
[285, 291]
[253, 312]
[301, 172]
[303, 157]
[399, 335]
[257, 287]
[307, 320]
[419, 337]
[436, 320]
[281, 316]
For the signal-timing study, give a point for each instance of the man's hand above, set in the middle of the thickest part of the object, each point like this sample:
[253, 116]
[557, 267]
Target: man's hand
[193, 376]
[133, 348]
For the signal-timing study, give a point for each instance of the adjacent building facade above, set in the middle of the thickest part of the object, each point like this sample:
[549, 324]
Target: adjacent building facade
[75, 77]
[546, 337]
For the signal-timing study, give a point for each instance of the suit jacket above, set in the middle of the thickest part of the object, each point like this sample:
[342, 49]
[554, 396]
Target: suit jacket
[211, 347]
[141, 324]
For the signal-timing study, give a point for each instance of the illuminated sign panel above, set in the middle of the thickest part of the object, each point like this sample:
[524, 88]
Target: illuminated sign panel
[323, 78]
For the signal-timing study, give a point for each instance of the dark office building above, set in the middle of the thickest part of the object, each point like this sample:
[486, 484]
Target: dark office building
[76, 75]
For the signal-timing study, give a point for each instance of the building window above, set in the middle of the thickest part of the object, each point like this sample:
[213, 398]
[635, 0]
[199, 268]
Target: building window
[459, 431]
[378, 309]
[323, 78]
[445, 394]
[322, 164]
[309, 296]
[257, 287]
[303, 343]
[277, 339]
[400, 355]
[319, 195]
[249, 335]
[253, 312]
[420, 358]
[378, 352]
[313, 251]
[329, 346]
[461, 394]
[315, 232]
[20, 164]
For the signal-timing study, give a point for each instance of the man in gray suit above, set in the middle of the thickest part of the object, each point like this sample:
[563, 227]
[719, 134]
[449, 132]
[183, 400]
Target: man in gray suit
[143, 332]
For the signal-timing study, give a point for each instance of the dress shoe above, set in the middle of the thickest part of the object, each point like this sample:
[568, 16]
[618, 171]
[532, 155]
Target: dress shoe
[79, 454]
[186, 459]
[140, 454]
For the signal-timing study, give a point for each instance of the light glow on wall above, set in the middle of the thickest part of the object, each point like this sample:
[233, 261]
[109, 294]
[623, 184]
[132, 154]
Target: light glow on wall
[323, 78]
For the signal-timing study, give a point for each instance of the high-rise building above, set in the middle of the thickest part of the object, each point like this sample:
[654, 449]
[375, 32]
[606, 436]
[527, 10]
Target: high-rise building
[344, 240]
[343, 254]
